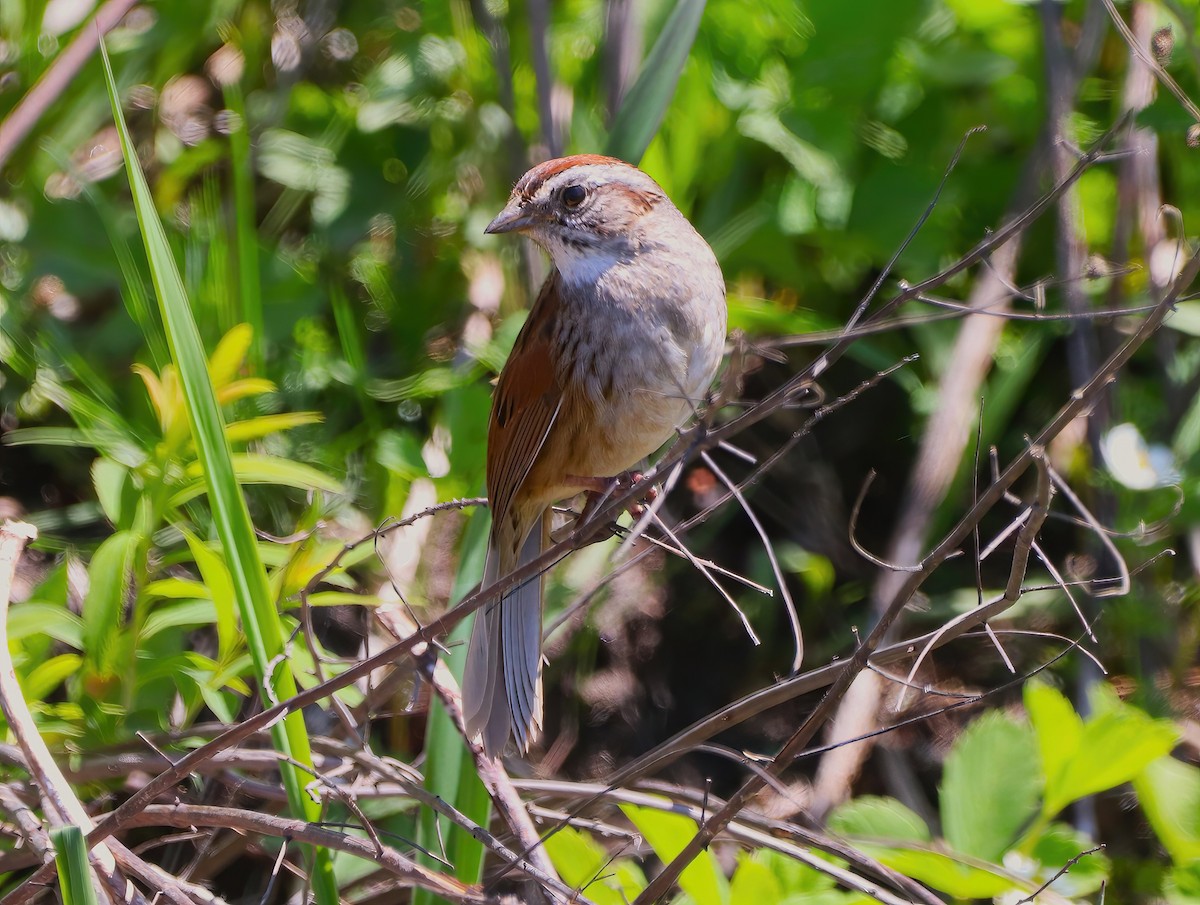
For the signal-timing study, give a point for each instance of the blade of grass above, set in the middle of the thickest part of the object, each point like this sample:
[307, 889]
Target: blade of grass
[449, 768]
[348, 327]
[646, 103]
[74, 873]
[260, 621]
[209, 244]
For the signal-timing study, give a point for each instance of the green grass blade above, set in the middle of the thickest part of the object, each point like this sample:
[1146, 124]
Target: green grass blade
[74, 872]
[349, 327]
[643, 109]
[449, 769]
[260, 621]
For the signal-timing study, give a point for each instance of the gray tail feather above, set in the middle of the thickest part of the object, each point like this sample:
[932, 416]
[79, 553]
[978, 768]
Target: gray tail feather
[502, 685]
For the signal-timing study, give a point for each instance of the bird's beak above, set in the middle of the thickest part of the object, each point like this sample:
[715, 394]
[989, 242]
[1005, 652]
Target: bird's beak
[510, 220]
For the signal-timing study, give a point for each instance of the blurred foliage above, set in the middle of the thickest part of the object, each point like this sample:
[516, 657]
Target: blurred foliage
[325, 172]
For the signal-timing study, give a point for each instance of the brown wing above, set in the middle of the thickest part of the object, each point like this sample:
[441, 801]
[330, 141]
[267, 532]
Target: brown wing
[527, 401]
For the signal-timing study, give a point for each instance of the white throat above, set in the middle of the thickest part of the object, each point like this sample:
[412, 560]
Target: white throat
[582, 266]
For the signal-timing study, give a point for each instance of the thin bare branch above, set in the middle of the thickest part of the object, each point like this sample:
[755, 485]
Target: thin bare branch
[184, 816]
[788, 603]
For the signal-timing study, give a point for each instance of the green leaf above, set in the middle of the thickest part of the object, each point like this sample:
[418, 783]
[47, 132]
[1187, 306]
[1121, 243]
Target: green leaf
[264, 425]
[1169, 792]
[795, 877]
[220, 589]
[48, 436]
[1185, 318]
[223, 705]
[183, 614]
[668, 834]
[71, 860]
[646, 104]
[753, 883]
[108, 581]
[260, 621]
[111, 480]
[177, 589]
[1186, 442]
[54, 621]
[584, 864]
[251, 468]
[1182, 885]
[1113, 749]
[47, 676]
[1057, 726]
[873, 817]
[945, 872]
[990, 788]
[345, 598]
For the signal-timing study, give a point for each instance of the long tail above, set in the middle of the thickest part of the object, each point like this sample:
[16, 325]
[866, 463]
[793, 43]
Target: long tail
[502, 685]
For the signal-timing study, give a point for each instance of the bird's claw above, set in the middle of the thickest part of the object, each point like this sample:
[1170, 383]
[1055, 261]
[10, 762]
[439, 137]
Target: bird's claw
[598, 490]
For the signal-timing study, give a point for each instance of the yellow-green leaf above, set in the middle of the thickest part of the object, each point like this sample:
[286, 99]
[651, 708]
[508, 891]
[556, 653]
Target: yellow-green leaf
[220, 585]
[668, 834]
[244, 389]
[264, 425]
[251, 468]
[229, 356]
[44, 678]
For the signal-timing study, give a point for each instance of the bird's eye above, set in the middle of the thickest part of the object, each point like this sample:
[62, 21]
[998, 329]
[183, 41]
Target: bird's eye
[573, 195]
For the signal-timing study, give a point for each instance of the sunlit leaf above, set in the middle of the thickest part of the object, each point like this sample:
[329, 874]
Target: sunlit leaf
[221, 593]
[264, 425]
[71, 861]
[584, 864]
[244, 389]
[1169, 792]
[991, 787]
[252, 468]
[108, 579]
[668, 834]
[46, 677]
[873, 817]
[184, 614]
[229, 356]
[57, 622]
[753, 883]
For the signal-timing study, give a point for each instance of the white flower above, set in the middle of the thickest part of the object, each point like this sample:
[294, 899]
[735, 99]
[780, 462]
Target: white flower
[1135, 463]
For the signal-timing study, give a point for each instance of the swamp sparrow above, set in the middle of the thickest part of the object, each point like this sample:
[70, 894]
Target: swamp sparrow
[618, 351]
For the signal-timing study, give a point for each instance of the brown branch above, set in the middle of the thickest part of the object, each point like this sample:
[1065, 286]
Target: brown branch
[184, 816]
[408, 783]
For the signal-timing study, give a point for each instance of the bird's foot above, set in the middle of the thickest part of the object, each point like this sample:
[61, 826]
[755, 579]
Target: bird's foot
[600, 489]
